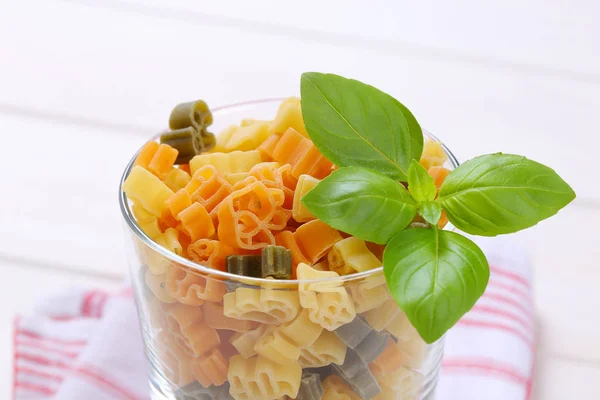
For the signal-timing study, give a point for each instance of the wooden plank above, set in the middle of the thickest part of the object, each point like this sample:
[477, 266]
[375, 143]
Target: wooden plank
[60, 198]
[20, 291]
[564, 251]
[560, 379]
[556, 38]
[129, 69]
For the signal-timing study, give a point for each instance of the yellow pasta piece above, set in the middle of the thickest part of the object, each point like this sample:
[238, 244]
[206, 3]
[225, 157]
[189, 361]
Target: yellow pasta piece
[336, 389]
[170, 240]
[261, 305]
[283, 344]
[380, 318]
[257, 378]
[237, 177]
[351, 255]
[288, 116]
[415, 349]
[156, 284]
[433, 155]
[299, 211]
[401, 380]
[177, 179]
[328, 303]
[369, 294]
[222, 139]
[145, 189]
[146, 221]
[244, 342]
[227, 163]
[327, 349]
[248, 137]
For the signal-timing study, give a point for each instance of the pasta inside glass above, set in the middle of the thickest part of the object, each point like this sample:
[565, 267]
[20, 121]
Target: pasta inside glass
[209, 334]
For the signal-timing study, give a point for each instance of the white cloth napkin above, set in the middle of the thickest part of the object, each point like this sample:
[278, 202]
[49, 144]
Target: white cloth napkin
[87, 345]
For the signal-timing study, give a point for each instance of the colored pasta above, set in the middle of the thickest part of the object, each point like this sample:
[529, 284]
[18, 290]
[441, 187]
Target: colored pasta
[299, 211]
[351, 255]
[261, 305]
[303, 156]
[258, 378]
[146, 190]
[227, 163]
[189, 287]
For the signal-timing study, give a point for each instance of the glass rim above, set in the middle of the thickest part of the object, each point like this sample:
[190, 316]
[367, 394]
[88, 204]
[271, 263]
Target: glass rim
[146, 240]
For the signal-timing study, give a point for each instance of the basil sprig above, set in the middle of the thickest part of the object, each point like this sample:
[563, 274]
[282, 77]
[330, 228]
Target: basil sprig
[435, 276]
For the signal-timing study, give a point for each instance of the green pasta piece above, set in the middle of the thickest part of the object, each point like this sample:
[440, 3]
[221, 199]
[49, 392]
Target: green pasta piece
[353, 333]
[194, 391]
[276, 262]
[208, 140]
[355, 371]
[194, 113]
[244, 265]
[310, 387]
[372, 346]
[186, 141]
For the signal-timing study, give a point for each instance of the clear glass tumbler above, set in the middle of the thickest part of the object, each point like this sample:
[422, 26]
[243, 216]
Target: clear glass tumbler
[213, 335]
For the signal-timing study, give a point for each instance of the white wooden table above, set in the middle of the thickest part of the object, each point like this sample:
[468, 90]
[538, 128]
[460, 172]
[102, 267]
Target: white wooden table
[84, 83]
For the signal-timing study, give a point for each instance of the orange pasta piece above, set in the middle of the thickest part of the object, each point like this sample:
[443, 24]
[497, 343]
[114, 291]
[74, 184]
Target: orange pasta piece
[287, 240]
[210, 252]
[175, 204]
[227, 349]
[267, 147]
[438, 174]
[167, 220]
[208, 187]
[146, 153]
[179, 316]
[376, 249]
[211, 369]
[279, 177]
[302, 155]
[196, 222]
[443, 220]
[163, 161]
[186, 168]
[315, 238]
[189, 287]
[250, 213]
[390, 359]
[175, 362]
[214, 317]
[178, 202]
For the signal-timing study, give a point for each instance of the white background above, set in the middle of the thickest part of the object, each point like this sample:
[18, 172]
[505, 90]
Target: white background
[84, 83]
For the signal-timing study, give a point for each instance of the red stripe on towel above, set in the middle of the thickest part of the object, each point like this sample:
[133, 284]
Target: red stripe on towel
[486, 367]
[485, 309]
[33, 335]
[35, 388]
[511, 275]
[100, 379]
[498, 327]
[41, 374]
[41, 346]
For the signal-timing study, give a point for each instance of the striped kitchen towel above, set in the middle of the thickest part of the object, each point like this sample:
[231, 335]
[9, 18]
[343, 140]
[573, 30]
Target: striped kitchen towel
[87, 344]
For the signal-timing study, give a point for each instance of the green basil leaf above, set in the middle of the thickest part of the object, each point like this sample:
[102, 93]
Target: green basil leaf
[431, 211]
[362, 203]
[420, 183]
[354, 124]
[502, 193]
[435, 277]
